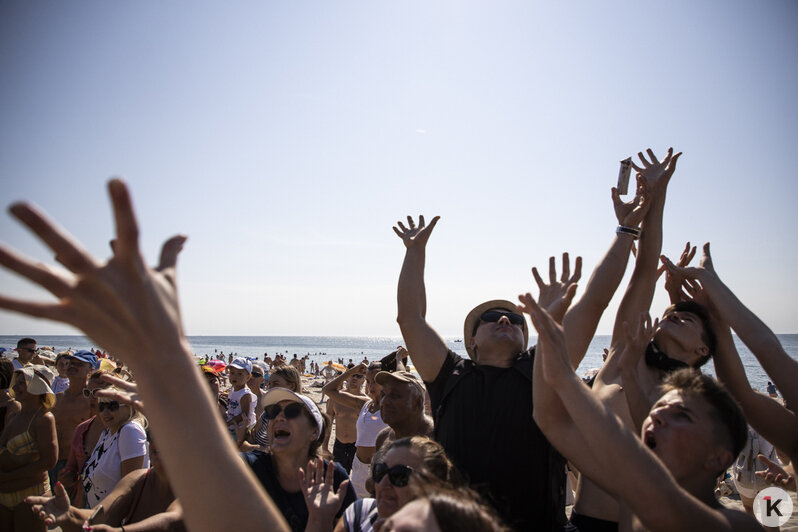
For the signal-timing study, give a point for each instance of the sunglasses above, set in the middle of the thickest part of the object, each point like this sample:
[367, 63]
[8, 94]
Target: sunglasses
[111, 406]
[257, 375]
[89, 393]
[290, 411]
[358, 375]
[492, 316]
[398, 475]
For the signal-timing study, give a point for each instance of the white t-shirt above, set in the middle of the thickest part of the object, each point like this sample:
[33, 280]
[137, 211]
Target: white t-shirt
[103, 469]
[234, 406]
[60, 384]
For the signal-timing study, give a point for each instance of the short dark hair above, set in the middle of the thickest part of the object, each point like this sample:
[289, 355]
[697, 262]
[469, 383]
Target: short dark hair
[730, 419]
[25, 341]
[708, 336]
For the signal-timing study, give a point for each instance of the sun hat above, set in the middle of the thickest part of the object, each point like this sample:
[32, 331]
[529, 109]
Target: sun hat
[472, 320]
[38, 380]
[241, 363]
[88, 357]
[275, 395]
[400, 376]
[261, 366]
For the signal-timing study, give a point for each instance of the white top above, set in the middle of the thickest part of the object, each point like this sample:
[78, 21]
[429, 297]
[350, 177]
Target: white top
[234, 406]
[103, 469]
[60, 384]
[369, 425]
[361, 515]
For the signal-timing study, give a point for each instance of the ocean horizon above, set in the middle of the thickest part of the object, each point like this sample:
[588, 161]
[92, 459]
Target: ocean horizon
[323, 348]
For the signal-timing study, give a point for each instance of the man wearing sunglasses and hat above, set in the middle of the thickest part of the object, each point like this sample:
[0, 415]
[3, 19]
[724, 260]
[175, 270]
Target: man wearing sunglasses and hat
[482, 407]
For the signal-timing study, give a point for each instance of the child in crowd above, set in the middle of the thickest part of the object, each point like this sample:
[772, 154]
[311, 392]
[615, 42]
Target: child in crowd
[241, 400]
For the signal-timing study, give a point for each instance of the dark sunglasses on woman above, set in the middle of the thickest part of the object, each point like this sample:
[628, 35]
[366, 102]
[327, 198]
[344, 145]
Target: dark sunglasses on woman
[112, 406]
[398, 475]
[290, 411]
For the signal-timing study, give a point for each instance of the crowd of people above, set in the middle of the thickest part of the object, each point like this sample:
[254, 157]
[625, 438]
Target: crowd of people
[477, 443]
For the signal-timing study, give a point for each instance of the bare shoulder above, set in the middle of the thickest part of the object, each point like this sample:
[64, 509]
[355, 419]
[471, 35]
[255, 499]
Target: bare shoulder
[738, 520]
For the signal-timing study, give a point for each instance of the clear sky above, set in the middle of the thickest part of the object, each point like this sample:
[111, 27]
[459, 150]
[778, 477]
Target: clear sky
[286, 138]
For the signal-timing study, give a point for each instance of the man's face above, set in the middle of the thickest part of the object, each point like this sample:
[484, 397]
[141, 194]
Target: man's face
[355, 381]
[78, 370]
[26, 352]
[681, 430]
[506, 332]
[680, 335]
[397, 402]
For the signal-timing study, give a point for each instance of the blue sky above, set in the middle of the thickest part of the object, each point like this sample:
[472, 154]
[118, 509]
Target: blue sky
[285, 139]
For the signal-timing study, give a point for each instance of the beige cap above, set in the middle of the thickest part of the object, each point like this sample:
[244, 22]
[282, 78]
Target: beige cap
[472, 320]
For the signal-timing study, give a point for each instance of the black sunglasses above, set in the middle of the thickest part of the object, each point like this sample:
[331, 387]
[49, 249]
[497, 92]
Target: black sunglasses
[398, 475]
[257, 375]
[493, 316]
[112, 406]
[290, 411]
[358, 375]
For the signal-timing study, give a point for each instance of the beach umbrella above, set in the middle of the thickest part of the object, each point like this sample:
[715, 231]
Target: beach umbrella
[217, 365]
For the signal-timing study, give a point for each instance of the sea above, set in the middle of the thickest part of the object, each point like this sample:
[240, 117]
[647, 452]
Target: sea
[323, 348]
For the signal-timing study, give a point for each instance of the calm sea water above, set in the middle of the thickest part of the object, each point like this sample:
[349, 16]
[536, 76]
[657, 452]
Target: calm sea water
[323, 348]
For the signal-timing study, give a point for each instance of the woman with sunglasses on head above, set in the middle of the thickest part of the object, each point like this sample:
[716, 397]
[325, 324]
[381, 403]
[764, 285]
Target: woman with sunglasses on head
[121, 449]
[85, 437]
[369, 422]
[296, 427]
[28, 448]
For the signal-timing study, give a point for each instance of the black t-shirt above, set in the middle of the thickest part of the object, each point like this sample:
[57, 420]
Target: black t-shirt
[292, 505]
[483, 418]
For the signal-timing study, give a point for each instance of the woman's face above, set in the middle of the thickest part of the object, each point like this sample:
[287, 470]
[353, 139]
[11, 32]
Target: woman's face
[278, 381]
[113, 414]
[19, 385]
[94, 385]
[372, 388]
[290, 434]
[389, 497]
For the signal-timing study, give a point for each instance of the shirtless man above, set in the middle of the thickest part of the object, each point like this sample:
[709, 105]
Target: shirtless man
[692, 433]
[402, 407]
[345, 416]
[72, 408]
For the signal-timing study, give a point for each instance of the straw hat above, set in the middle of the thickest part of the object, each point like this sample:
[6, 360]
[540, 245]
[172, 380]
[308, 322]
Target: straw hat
[472, 320]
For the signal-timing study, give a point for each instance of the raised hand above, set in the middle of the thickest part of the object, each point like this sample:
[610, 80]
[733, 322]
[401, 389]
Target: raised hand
[775, 475]
[657, 173]
[704, 271]
[413, 235]
[631, 213]
[127, 392]
[52, 511]
[674, 281]
[121, 303]
[556, 296]
[322, 500]
[637, 340]
[551, 341]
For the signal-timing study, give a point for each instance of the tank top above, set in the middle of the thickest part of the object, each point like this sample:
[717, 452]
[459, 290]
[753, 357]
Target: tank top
[368, 425]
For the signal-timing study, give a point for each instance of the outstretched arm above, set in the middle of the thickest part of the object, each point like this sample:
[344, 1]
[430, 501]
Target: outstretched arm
[626, 466]
[582, 319]
[333, 388]
[777, 424]
[634, 346]
[427, 348]
[640, 292]
[132, 310]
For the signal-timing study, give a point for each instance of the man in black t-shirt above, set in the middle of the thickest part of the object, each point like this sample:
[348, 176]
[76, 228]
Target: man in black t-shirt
[483, 406]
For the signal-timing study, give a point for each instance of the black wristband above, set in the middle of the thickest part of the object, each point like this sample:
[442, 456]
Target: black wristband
[622, 229]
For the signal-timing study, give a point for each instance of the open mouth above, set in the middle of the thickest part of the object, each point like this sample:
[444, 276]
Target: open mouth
[649, 440]
[280, 435]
